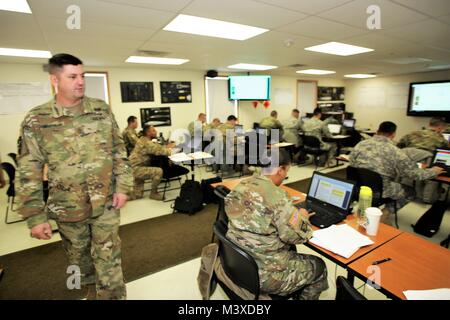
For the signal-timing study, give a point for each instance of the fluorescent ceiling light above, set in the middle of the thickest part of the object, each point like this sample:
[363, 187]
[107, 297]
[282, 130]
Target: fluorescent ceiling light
[212, 28]
[248, 66]
[15, 5]
[25, 53]
[360, 76]
[337, 48]
[316, 71]
[155, 60]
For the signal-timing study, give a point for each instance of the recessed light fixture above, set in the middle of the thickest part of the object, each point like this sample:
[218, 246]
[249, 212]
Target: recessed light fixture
[15, 6]
[315, 71]
[155, 60]
[213, 28]
[25, 53]
[248, 66]
[338, 48]
[360, 76]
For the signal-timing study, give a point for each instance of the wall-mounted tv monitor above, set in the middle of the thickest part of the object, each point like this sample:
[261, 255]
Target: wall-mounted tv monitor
[249, 87]
[429, 99]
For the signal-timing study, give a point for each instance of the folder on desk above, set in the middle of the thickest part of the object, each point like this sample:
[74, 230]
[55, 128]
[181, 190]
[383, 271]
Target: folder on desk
[340, 239]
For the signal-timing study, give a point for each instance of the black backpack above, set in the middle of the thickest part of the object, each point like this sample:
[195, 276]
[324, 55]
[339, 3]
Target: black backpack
[208, 191]
[190, 199]
[428, 224]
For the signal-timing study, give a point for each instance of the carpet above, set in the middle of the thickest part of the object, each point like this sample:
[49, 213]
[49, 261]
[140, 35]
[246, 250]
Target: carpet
[148, 246]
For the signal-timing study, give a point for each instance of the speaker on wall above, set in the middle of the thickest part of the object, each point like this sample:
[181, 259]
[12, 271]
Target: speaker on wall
[211, 73]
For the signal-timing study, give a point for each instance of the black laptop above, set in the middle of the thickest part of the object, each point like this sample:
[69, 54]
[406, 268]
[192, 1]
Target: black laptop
[441, 158]
[330, 198]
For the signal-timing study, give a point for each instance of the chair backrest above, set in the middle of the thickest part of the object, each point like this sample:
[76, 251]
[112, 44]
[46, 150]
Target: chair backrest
[13, 156]
[222, 192]
[311, 142]
[238, 265]
[11, 172]
[366, 177]
[255, 125]
[345, 291]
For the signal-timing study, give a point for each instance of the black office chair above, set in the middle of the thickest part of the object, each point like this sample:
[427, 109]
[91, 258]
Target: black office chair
[13, 156]
[345, 291]
[240, 267]
[171, 172]
[221, 192]
[11, 191]
[311, 145]
[371, 179]
[255, 125]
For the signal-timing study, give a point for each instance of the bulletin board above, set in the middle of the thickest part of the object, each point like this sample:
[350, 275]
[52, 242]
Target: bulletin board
[176, 92]
[136, 91]
[157, 117]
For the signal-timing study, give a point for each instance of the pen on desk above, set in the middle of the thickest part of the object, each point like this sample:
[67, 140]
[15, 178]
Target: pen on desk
[381, 261]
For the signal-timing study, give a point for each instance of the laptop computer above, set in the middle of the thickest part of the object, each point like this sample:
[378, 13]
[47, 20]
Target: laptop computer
[330, 198]
[447, 136]
[349, 123]
[441, 158]
[335, 129]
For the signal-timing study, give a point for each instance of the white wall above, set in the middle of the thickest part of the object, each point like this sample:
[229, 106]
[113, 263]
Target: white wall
[384, 110]
[182, 113]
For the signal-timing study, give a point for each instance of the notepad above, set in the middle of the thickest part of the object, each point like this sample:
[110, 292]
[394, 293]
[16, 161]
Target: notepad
[340, 239]
[434, 294]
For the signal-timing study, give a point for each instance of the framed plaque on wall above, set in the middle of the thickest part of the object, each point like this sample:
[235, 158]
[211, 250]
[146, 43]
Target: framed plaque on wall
[157, 117]
[176, 92]
[136, 91]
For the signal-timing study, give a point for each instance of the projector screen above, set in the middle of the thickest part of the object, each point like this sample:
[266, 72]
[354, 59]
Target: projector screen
[249, 87]
[429, 98]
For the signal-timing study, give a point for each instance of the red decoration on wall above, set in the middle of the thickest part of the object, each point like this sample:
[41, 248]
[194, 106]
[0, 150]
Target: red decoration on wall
[266, 104]
[255, 104]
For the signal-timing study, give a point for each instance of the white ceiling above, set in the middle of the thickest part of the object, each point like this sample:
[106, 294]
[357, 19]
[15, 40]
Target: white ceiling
[112, 30]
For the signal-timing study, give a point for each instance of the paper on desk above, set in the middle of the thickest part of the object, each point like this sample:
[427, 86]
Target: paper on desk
[200, 155]
[179, 157]
[434, 294]
[340, 239]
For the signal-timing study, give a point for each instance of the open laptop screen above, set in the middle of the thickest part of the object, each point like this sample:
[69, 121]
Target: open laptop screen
[334, 128]
[332, 191]
[349, 123]
[442, 156]
[446, 136]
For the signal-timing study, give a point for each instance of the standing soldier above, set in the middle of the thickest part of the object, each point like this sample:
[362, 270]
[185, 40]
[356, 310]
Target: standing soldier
[263, 221]
[129, 135]
[89, 177]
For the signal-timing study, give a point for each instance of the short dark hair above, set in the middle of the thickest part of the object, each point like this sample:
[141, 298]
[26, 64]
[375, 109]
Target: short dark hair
[131, 119]
[273, 113]
[387, 127]
[231, 118]
[317, 111]
[295, 110]
[61, 59]
[437, 122]
[146, 128]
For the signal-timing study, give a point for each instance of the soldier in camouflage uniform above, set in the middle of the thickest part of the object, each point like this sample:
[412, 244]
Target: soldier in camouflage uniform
[130, 137]
[140, 160]
[198, 125]
[380, 154]
[428, 139]
[272, 123]
[89, 177]
[213, 125]
[263, 221]
[316, 127]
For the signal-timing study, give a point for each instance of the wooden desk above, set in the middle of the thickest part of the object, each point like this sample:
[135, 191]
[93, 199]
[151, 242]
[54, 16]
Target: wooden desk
[417, 264]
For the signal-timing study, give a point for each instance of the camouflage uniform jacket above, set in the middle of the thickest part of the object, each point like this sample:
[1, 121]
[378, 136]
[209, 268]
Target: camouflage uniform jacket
[423, 139]
[270, 123]
[315, 127]
[379, 154]
[263, 221]
[291, 128]
[143, 151]
[196, 127]
[130, 138]
[86, 159]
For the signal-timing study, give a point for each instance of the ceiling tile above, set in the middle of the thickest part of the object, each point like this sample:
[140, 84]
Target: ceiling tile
[165, 5]
[355, 14]
[243, 12]
[435, 8]
[18, 30]
[306, 6]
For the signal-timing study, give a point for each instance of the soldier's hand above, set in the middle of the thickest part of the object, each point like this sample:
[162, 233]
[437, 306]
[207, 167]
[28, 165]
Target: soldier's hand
[119, 200]
[171, 145]
[42, 231]
[306, 214]
[438, 170]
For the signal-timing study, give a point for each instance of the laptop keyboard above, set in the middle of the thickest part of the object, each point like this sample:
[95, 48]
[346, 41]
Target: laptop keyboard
[323, 218]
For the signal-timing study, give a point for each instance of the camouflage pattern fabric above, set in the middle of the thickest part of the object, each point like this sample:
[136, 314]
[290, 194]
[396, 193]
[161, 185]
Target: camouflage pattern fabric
[86, 158]
[427, 140]
[380, 154]
[99, 236]
[316, 128]
[263, 221]
[145, 173]
[130, 138]
[291, 127]
[196, 127]
[270, 123]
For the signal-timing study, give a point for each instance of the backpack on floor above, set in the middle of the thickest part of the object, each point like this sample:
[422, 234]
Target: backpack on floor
[428, 224]
[190, 199]
[208, 191]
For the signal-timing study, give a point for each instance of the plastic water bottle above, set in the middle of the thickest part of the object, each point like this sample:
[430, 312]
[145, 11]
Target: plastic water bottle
[365, 201]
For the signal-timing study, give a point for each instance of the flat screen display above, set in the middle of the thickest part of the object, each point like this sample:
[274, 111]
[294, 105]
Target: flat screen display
[429, 98]
[249, 87]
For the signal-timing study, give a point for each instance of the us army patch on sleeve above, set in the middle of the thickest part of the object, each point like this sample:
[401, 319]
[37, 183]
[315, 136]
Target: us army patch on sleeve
[293, 221]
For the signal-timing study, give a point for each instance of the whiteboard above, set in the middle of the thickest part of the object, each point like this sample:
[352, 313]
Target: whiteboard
[19, 97]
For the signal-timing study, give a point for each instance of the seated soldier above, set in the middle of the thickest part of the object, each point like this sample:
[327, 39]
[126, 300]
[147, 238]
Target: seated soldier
[263, 221]
[427, 139]
[140, 160]
[129, 135]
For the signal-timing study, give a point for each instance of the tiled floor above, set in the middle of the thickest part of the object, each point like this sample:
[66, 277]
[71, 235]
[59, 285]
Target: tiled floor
[180, 282]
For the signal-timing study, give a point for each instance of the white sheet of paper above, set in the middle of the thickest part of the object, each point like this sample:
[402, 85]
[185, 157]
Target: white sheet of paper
[434, 294]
